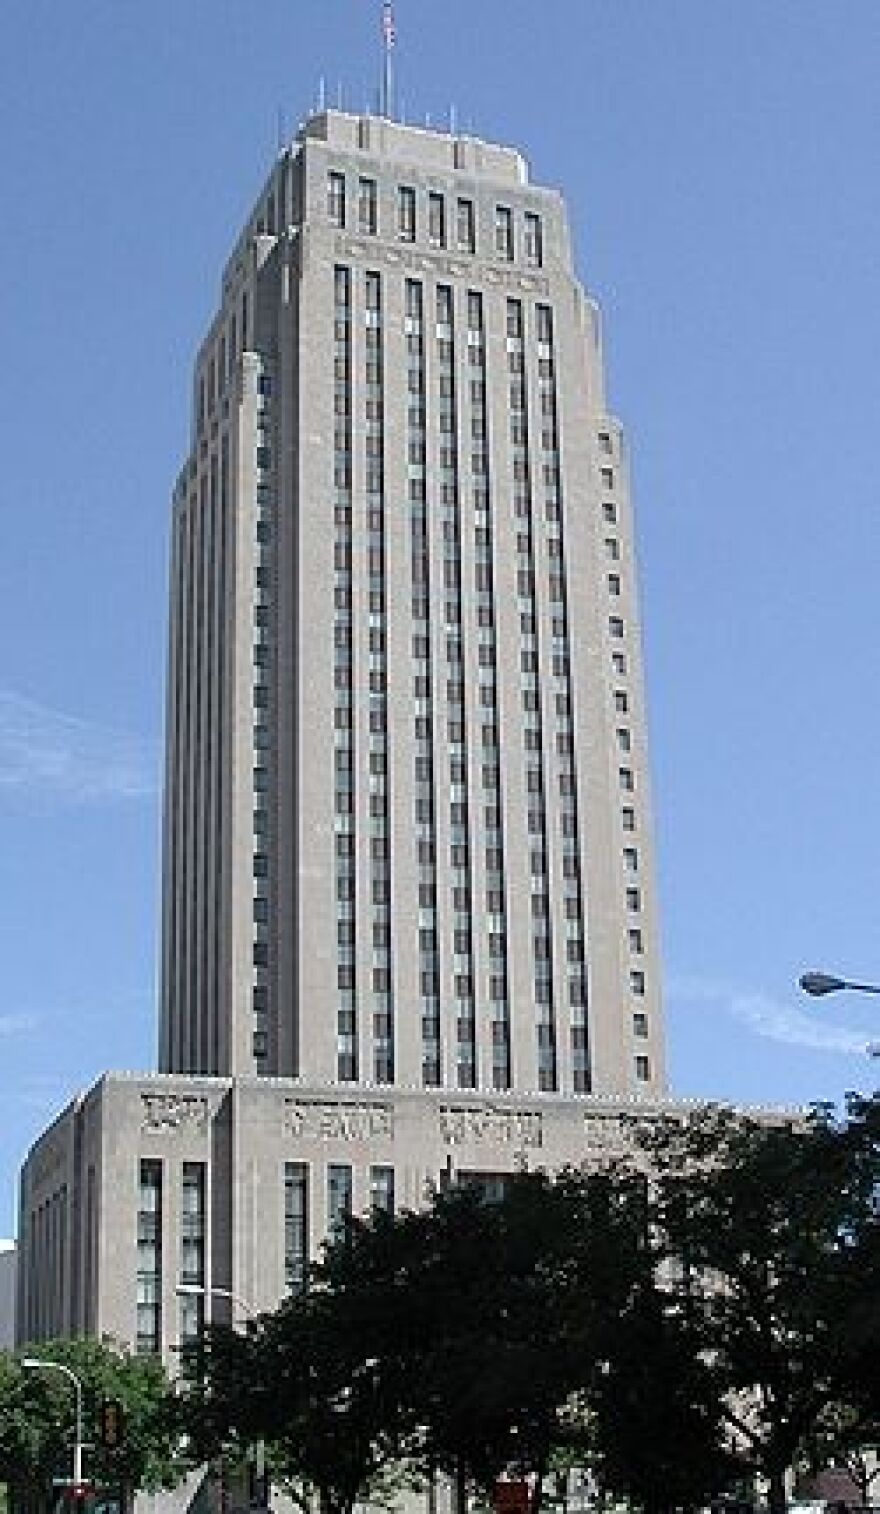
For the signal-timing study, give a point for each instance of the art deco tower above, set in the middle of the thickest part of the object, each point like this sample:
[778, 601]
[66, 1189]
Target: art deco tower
[407, 827]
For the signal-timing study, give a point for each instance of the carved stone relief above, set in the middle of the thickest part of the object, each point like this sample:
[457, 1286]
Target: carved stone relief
[338, 1120]
[173, 1112]
[490, 1124]
[440, 264]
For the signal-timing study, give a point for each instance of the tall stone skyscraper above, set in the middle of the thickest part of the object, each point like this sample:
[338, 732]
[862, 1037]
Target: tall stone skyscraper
[409, 920]
[408, 830]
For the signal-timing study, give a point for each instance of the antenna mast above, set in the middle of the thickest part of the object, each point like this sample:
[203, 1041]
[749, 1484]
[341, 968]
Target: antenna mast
[389, 38]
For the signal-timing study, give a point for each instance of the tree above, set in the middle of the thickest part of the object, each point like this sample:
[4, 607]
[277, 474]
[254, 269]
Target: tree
[305, 1381]
[457, 1339]
[37, 1420]
[770, 1234]
[487, 1318]
[658, 1437]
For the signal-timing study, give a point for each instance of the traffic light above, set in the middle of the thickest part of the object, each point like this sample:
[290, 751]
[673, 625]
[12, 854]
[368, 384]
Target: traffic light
[112, 1423]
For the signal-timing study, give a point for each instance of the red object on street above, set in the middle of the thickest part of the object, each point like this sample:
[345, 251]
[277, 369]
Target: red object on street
[511, 1497]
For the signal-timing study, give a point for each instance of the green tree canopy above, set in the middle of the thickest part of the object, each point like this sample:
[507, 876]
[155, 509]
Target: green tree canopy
[37, 1420]
[770, 1237]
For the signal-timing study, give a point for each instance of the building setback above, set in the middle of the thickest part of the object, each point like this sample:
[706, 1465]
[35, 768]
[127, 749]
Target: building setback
[409, 917]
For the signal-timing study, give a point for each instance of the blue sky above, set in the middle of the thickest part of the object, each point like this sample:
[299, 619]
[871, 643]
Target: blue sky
[720, 163]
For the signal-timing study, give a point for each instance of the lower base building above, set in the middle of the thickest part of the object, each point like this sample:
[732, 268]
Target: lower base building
[157, 1202]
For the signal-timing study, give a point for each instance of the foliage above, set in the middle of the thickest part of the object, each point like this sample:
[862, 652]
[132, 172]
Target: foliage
[37, 1420]
[770, 1234]
[672, 1332]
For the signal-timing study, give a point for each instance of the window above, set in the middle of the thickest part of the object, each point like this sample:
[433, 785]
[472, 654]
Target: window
[465, 226]
[436, 220]
[339, 1198]
[504, 232]
[625, 776]
[630, 859]
[643, 1070]
[624, 739]
[609, 512]
[367, 206]
[635, 942]
[637, 981]
[296, 1225]
[621, 701]
[607, 478]
[628, 818]
[382, 1189]
[192, 1249]
[615, 626]
[406, 213]
[633, 900]
[149, 1258]
[534, 241]
[336, 198]
[640, 1024]
[614, 583]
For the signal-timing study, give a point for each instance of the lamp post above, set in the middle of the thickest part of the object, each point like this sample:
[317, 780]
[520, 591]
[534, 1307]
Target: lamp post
[43, 1364]
[818, 984]
[198, 1290]
[188, 1290]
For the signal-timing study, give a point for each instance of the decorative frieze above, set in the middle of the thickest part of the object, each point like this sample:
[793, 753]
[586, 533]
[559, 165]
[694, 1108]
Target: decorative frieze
[440, 264]
[338, 1119]
[174, 1112]
[490, 1124]
[607, 1134]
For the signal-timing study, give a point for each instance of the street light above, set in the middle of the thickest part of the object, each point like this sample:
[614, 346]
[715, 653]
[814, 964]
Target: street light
[198, 1290]
[43, 1364]
[188, 1290]
[819, 984]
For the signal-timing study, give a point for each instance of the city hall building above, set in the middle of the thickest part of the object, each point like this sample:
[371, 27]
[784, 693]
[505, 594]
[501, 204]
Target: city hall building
[409, 921]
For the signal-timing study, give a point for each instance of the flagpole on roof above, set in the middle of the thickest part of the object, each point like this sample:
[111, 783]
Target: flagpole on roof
[389, 37]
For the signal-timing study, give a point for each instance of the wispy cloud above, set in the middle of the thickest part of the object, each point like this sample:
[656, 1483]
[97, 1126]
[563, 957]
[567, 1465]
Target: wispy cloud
[771, 1018]
[44, 750]
[16, 1025]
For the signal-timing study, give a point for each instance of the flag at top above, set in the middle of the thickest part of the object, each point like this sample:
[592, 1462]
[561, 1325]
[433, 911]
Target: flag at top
[389, 34]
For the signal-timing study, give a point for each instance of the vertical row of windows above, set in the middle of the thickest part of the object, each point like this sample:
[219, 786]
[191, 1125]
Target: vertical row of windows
[380, 829]
[196, 988]
[530, 691]
[296, 1226]
[344, 748]
[149, 1258]
[487, 694]
[176, 882]
[209, 745]
[263, 683]
[561, 685]
[220, 726]
[192, 962]
[46, 1312]
[216, 372]
[621, 695]
[456, 732]
[193, 1229]
[423, 719]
